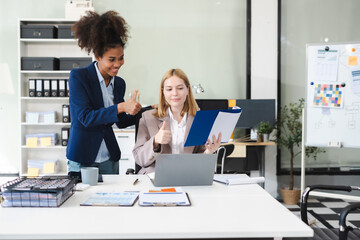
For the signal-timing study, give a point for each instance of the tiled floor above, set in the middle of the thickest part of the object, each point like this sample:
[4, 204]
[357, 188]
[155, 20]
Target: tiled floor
[324, 212]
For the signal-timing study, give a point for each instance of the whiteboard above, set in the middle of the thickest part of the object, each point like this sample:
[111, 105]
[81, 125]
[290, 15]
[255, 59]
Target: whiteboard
[332, 106]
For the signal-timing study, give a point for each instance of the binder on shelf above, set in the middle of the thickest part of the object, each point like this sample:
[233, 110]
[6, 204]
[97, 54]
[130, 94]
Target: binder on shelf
[32, 88]
[54, 88]
[46, 84]
[65, 113]
[212, 122]
[67, 88]
[39, 87]
[65, 132]
[62, 88]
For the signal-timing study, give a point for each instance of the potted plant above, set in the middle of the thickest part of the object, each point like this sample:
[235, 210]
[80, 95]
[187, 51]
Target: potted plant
[289, 136]
[265, 128]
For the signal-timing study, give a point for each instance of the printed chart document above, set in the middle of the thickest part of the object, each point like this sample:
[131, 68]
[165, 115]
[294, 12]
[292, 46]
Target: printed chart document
[355, 80]
[111, 199]
[164, 197]
[326, 63]
[211, 122]
[234, 179]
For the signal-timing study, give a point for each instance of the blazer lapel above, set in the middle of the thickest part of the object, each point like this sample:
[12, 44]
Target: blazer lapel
[95, 87]
[162, 120]
[116, 92]
[189, 122]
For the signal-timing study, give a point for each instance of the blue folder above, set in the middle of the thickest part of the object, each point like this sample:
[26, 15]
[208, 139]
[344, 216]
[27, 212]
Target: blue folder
[202, 125]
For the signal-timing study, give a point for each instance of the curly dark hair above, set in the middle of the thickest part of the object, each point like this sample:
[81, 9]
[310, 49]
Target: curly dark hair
[98, 33]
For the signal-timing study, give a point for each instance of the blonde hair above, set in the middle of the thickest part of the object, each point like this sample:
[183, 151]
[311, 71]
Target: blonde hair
[190, 105]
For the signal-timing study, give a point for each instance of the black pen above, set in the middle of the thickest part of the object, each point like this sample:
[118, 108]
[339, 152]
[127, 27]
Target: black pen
[136, 180]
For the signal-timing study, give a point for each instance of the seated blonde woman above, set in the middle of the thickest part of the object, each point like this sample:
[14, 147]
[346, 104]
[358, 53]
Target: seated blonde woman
[164, 130]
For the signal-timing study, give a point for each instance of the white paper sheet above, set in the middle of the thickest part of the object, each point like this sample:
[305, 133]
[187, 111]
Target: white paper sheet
[224, 119]
[355, 80]
[111, 199]
[327, 62]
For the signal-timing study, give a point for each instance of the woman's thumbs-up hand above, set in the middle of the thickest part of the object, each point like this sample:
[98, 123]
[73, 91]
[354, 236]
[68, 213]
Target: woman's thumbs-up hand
[130, 106]
[163, 136]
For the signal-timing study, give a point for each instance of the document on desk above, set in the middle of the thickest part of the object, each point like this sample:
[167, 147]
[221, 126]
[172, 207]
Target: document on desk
[112, 199]
[164, 199]
[237, 179]
[212, 122]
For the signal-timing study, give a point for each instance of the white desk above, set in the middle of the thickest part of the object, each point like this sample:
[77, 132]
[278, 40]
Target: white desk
[217, 211]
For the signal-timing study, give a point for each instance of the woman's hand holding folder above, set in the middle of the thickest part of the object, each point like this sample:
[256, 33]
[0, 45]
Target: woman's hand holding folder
[213, 146]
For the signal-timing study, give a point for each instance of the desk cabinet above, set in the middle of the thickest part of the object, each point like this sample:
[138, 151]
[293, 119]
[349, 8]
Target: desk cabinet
[247, 156]
[126, 142]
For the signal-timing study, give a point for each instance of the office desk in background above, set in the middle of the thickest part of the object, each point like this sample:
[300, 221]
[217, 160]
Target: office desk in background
[217, 211]
[242, 148]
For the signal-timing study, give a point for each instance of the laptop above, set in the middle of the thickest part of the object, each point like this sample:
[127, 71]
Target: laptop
[184, 169]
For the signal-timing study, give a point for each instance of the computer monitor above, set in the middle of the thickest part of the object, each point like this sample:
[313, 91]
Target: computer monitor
[254, 111]
[212, 104]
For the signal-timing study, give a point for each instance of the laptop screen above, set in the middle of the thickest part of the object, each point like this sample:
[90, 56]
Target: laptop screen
[184, 169]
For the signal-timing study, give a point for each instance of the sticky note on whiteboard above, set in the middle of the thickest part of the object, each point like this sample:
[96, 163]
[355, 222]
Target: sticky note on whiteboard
[353, 60]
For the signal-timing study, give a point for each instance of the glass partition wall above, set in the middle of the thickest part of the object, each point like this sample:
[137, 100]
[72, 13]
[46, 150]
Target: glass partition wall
[307, 22]
[207, 39]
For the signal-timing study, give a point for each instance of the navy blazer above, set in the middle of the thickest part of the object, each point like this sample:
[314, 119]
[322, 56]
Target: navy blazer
[91, 122]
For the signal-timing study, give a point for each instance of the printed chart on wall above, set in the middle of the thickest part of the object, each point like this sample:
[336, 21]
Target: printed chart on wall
[333, 95]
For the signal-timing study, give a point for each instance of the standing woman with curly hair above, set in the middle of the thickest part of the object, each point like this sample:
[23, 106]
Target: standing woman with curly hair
[97, 94]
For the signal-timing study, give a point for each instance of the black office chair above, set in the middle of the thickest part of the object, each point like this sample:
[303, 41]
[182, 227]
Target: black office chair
[137, 121]
[344, 232]
[223, 152]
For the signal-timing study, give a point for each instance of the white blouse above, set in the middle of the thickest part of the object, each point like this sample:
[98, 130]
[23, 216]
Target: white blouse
[177, 133]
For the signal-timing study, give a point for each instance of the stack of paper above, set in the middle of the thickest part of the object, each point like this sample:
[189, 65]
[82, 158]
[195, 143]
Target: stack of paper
[232, 179]
[41, 139]
[44, 166]
[41, 117]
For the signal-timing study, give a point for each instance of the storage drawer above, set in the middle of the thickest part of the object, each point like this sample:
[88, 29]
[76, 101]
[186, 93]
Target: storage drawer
[71, 63]
[38, 31]
[126, 161]
[125, 140]
[39, 63]
[64, 31]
